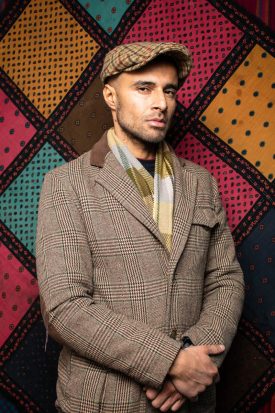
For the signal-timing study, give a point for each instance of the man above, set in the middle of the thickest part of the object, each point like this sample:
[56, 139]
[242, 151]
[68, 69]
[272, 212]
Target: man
[138, 276]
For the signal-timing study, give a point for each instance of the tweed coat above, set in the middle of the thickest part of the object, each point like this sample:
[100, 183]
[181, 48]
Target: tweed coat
[111, 293]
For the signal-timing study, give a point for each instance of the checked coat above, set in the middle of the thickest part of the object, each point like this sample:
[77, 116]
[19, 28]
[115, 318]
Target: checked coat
[111, 293]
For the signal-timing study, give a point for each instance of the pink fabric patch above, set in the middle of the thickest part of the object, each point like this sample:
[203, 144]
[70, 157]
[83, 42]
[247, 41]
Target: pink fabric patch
[18, 289]
[16, 131]
[238, 196]
[206, 32]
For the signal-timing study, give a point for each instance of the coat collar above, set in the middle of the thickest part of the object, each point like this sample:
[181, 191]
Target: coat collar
[115, 180]
[99, 151]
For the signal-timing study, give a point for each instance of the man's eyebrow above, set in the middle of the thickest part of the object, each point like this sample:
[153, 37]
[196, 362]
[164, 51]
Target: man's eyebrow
[143, 83]
[172, 86]
[147, 83]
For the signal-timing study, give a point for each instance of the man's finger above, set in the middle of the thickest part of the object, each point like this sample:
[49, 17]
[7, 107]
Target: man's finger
[161, 399]
[167, 405]
[214, 348]
[151, 394]
[176, 406]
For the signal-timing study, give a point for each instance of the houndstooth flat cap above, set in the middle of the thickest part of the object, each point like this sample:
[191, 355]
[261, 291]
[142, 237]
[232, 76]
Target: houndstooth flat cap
[133, 56]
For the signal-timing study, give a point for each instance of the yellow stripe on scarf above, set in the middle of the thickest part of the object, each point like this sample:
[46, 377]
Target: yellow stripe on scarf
[158, 192]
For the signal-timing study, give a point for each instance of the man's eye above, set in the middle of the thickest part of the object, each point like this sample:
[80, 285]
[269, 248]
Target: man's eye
[143, 89]
[171, 92]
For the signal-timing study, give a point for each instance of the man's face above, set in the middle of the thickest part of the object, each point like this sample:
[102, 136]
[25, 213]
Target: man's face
[145, 101]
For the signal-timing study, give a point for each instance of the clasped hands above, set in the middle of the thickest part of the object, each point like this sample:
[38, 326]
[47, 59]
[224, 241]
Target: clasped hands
[190, 374]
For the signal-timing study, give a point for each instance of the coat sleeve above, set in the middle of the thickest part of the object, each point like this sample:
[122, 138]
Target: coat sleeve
[65, 275]
[223, 288]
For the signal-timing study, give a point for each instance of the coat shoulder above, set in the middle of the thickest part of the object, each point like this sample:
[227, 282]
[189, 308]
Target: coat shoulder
[207, 186]
[73, 170]
[194, 168]
[205, 178]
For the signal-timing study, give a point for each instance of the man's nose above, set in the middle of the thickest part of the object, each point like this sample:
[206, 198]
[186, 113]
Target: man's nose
[159, 100]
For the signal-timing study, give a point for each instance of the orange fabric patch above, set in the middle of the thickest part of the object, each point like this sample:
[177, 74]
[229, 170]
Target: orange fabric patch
[243, 113]
[45, 52]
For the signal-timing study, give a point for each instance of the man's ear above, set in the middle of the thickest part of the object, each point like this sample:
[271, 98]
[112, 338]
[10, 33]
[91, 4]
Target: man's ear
[109, 94]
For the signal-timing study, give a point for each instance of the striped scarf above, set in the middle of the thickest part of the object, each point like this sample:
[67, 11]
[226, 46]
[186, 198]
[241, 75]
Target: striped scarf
[157, 192]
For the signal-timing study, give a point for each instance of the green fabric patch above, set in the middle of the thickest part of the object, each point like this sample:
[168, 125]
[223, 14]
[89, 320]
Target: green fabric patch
[19, 203]
[107, 13]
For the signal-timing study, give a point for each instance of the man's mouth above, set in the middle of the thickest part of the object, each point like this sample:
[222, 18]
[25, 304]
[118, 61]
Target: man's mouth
[156, 122]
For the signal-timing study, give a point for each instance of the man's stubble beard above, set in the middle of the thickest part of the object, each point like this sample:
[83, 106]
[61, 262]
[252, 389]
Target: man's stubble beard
[136, 135]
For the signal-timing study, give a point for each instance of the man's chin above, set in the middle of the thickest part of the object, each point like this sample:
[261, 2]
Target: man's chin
[150, 136]
[155, 137]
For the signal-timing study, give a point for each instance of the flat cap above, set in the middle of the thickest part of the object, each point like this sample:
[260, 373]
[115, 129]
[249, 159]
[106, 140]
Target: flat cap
[133, 56]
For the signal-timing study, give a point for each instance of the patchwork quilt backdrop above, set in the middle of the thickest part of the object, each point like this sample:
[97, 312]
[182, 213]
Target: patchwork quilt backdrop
[52, 110]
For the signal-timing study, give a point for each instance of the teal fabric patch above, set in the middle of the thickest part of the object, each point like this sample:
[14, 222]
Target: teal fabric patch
[19, 203]
[107, 13]
[6, 406]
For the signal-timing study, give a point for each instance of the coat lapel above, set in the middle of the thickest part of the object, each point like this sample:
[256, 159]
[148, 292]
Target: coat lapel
[185, 188]
[115, 180]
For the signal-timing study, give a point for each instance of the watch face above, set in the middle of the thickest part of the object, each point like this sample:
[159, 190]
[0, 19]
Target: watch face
[186, 342]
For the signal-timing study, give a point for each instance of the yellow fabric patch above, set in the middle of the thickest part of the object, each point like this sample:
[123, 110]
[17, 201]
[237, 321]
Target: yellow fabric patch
[243, 113]
[45, 52]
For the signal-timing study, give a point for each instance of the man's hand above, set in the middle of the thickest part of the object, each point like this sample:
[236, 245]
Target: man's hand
[167, 398]
[193, 370]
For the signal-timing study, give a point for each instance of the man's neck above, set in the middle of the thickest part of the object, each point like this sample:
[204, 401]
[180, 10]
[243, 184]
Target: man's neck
[140, 150]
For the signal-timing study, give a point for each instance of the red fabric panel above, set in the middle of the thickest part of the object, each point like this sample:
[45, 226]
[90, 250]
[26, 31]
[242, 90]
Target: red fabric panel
[263, 9]
[269, 407]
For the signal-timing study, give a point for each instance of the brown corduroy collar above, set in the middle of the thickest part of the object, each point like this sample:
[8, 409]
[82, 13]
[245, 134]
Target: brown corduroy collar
[99, 151]
[101, 148]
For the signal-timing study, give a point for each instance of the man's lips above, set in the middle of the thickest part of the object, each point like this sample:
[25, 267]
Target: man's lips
[159, 123]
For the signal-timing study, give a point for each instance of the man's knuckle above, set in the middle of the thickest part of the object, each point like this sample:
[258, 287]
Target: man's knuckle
[214, 371]
[201, 389]
[155, 403]
[193, 393]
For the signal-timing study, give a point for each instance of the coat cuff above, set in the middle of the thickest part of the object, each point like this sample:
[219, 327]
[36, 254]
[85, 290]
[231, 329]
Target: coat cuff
[160, 363]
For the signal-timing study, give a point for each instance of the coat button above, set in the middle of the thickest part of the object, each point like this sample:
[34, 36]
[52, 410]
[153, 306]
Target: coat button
[173, 333]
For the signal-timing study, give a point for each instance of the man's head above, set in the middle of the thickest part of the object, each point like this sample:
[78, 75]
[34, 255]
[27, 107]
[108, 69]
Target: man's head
[141, 81]
[133, 56]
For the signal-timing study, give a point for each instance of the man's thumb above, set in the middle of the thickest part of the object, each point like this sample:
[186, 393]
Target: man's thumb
[216, 348]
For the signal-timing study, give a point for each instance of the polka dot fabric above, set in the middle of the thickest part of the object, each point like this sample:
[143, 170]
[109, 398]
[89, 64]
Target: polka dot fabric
[238, 196]
[6, 406]
[257, 256]
[41, 373]
[18, 208]
[52, 109]
[45, 52]
[243, 113]
[88, 120]
[18, 290]
[16, 131]
[197, 24]
[107, 13]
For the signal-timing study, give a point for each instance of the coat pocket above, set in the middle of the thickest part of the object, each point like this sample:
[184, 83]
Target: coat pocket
[193, 260]
[204, 221]
[205, 217]
[86, 384]
[122, 394]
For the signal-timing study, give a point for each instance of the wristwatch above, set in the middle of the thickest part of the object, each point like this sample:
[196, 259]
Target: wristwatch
[186, 342]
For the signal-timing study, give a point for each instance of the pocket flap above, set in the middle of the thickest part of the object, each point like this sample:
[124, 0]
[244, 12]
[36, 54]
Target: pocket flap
[205, 216]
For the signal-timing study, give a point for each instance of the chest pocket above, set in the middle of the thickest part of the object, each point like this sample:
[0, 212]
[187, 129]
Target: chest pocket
[205, 217]
[191, 267]
[203, 223]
